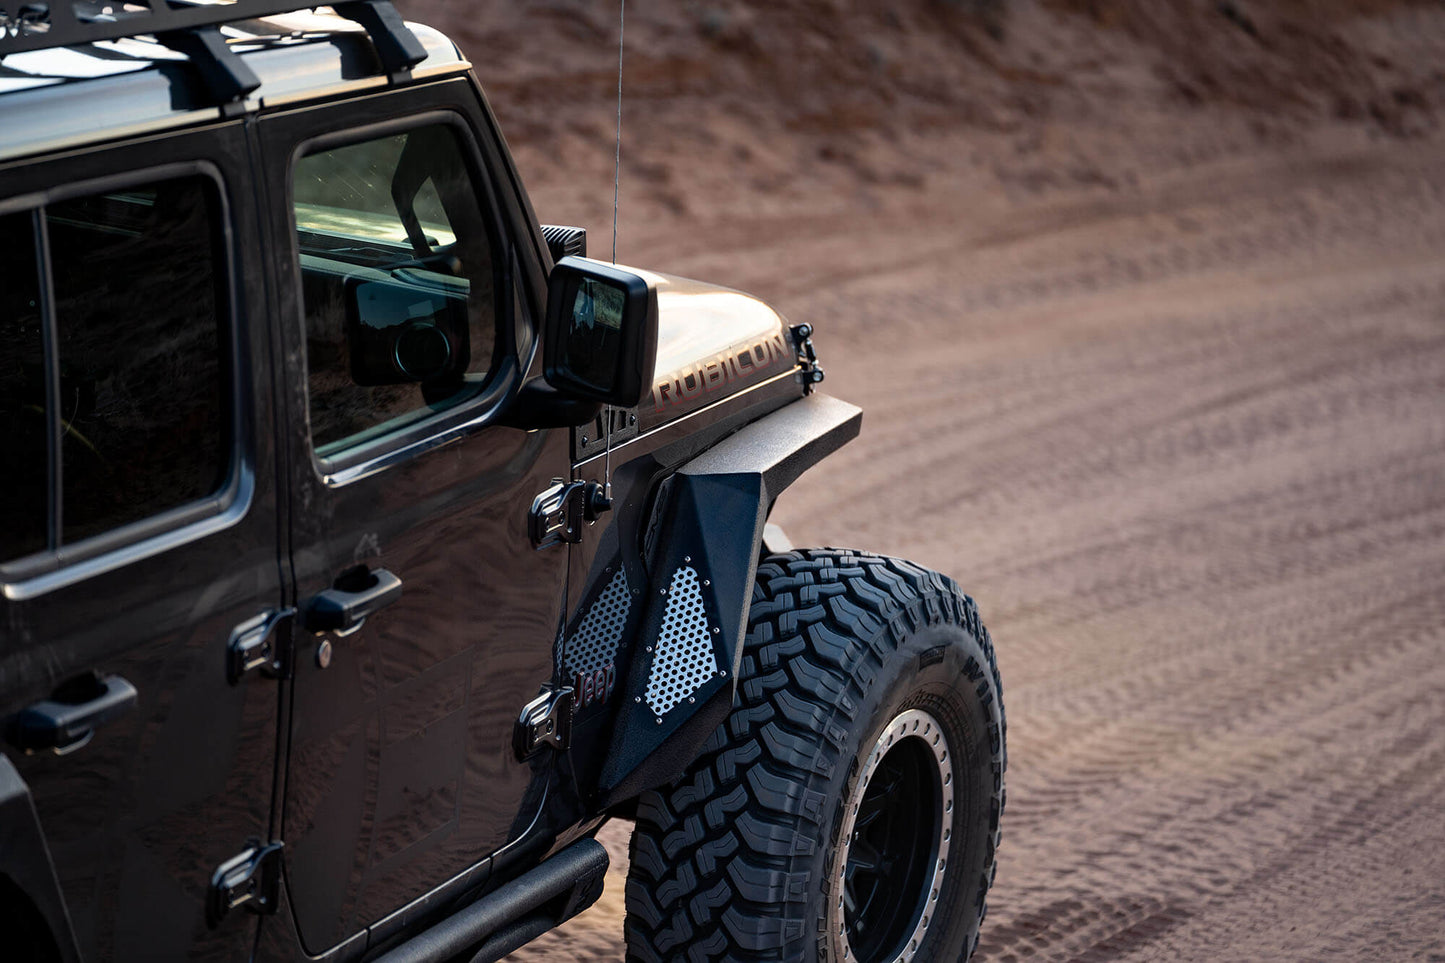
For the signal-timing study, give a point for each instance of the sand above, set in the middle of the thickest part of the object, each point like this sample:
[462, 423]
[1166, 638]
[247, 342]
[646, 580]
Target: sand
[1145, 305]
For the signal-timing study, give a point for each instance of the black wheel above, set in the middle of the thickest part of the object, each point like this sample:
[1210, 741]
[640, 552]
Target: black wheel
[848, 810]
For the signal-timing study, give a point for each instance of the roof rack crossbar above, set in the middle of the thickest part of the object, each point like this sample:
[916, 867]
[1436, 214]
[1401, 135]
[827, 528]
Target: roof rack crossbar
[224, 73]
[63, 23]
[397, 47]
[191, 27]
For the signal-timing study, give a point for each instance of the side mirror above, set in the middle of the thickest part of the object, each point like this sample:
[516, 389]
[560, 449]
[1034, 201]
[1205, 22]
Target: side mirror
[601, 332]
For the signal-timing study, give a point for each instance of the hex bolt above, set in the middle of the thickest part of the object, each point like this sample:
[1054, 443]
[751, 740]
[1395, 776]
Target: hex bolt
[323, 654]
[707, 581]
[716, 630]
[637, 698]
[690, 700]
[659, 720]
[687, 558]
[649, 648]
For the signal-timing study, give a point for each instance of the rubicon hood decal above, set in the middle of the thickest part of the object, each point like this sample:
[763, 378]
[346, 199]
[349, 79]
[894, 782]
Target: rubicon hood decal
[738, 363]
[712, 342]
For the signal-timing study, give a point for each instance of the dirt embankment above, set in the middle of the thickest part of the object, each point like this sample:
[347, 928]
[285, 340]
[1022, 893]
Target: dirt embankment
[1145, 303]
[742, 109]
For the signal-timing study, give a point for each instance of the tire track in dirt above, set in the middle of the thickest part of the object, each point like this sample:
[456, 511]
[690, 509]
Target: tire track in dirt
[1188, 452]
[1209, 540]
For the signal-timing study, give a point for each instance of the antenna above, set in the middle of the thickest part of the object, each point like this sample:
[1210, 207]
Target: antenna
[617, 167]
[607, 411]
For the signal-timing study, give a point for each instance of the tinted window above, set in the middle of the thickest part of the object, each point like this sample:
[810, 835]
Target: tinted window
[141, 379]
[398, 282]
[23, 431]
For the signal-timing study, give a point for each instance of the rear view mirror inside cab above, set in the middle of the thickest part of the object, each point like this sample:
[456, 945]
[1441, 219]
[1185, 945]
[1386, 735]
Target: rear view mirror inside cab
[601, 331]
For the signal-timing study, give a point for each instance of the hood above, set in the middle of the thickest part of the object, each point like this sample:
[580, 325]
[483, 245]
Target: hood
[712, 342]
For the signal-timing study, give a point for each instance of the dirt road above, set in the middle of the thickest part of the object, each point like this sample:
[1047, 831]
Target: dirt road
[1176, 418]
[1188, 452]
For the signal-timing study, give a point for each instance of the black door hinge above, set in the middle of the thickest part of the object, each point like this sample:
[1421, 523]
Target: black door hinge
[545, 721]
[251, 879]
[558, 513]
[806, 356]
[255, 644]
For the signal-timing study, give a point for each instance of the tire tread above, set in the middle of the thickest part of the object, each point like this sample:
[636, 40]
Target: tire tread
[722, 852]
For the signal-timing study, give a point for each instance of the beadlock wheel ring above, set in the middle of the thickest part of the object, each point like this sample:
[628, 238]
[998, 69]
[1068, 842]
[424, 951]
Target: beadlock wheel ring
[894, 843]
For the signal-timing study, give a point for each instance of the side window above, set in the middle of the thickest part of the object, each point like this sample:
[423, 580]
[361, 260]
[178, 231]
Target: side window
[24, 432]
[136, 332]
[140, 352]
[399, 282]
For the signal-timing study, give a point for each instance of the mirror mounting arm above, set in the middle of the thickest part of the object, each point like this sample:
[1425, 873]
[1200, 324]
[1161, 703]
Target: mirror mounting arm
[539, 405]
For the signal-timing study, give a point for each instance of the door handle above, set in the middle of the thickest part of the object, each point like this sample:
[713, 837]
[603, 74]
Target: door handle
[67, 720]
[358, 593]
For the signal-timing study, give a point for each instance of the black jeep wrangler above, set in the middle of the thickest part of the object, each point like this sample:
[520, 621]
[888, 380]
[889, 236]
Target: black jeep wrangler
[363, 548]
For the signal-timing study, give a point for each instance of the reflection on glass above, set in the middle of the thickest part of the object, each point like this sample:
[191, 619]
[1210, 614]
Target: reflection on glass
[398, 281]
[596, 332]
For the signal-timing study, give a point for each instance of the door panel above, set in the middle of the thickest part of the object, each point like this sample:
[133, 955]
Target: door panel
[163, 538]
[401, 773]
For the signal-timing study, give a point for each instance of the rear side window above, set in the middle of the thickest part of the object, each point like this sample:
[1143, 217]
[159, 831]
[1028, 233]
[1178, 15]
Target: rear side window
[124, 383]
[24, 430]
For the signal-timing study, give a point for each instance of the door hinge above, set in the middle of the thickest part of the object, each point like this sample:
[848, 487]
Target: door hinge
[558, 513]
[251, 879]
[253, 646]
[807, 357]
[545, 721]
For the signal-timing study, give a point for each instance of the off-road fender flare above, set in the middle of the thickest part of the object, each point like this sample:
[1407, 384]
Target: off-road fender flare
[702, 553]
[25, 859]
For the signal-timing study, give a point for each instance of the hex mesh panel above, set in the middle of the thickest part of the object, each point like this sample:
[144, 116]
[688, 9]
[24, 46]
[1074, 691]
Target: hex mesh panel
[684, 659]
[594, 644]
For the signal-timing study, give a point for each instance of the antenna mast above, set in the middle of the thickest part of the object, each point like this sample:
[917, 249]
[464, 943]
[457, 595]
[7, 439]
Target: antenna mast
[616, 183]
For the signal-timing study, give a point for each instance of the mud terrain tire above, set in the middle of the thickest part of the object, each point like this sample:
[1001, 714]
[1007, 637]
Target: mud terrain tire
[853, 665]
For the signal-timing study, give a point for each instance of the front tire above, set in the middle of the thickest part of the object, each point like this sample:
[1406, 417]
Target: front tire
[848, 809]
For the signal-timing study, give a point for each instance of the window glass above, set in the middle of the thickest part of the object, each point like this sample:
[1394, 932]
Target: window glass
[136, 275]
[23, 428]
[398, 282]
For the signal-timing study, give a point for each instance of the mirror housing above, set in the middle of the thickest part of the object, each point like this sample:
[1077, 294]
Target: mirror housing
[601, 332]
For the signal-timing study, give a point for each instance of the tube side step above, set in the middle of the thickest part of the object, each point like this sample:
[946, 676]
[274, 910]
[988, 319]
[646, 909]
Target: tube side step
[517, 912]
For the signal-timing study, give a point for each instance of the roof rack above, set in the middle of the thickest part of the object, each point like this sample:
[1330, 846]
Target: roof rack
[191, 26]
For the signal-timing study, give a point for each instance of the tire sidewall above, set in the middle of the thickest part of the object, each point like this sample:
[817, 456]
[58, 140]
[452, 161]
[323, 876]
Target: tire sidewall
[929, 670]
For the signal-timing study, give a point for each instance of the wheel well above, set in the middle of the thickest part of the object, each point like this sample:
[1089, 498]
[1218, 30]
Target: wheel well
[27, 937]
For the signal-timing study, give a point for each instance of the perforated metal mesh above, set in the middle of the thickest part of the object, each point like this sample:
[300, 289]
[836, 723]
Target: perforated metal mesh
[684, 659]
[594, 644]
